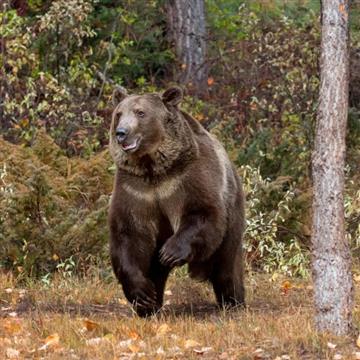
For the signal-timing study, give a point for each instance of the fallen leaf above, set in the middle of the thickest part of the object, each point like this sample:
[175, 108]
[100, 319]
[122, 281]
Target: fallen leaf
[203, 350]
[13, 314]
[12, 326]
[90, 325]
[163, 329]
[191, 343]
[331, 345]
[96, 341]
[134, 348]
[52, 341]
[259, 354]
[133, 335]
[168, 292]
[199, 117]
[12, 353]
[357, 355]
[285, 287]
[356, 277]
[125, 343]
[160, 350]
[210, 81]
[337, 357]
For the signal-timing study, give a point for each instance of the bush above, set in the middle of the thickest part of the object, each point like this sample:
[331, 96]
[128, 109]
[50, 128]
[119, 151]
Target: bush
[51, 207]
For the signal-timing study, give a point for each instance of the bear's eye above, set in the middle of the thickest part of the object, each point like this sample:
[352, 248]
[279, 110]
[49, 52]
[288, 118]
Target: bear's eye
[139, 113]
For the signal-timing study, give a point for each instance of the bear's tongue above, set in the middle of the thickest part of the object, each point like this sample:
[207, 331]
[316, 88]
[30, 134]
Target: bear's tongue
[130, 146]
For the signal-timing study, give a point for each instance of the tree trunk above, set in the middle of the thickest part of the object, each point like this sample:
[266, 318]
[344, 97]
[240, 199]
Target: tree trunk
[331, 251]
[186, 23]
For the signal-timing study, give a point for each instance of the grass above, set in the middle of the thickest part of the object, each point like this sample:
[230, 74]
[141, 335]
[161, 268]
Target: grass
[88, 318]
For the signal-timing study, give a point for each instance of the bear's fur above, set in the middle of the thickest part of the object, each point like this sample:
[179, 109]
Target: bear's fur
[177, 199]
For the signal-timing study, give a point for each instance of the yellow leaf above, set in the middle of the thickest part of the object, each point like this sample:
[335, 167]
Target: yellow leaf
[134, 348]
[286, 286]
[358, 342]
[55, 257]
[199, 117]
[90, 325]
[24, 122]
[12, 326]
[191, 343]
[163, 329]
[133, 335]
[52, 340]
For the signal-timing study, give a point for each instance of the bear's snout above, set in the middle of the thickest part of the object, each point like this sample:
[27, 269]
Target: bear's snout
[121, 134]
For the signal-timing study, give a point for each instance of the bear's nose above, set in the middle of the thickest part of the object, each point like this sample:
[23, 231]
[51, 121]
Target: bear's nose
[121, 134]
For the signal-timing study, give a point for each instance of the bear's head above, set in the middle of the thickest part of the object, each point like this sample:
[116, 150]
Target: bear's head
[140, 122]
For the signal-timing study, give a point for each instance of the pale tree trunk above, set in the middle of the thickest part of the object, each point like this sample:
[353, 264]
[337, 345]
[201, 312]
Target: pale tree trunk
[187, 29]
[331, 252]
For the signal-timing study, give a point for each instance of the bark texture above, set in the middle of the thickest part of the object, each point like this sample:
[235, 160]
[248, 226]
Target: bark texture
[331, 252]
[187, 30]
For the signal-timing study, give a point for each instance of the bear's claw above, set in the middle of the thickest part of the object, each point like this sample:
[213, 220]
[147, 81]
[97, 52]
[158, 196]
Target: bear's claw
[174, 255]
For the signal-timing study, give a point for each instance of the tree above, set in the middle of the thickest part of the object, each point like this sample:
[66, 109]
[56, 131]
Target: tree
[186, 23]
[331, 252]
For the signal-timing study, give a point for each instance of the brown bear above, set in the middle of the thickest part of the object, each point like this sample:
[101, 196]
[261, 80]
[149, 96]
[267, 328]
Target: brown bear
[177, 199]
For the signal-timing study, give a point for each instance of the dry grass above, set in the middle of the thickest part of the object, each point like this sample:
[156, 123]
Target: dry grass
[89, 319]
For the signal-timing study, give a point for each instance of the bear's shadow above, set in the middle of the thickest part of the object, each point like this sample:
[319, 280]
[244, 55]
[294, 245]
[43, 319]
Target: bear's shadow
[198, 310]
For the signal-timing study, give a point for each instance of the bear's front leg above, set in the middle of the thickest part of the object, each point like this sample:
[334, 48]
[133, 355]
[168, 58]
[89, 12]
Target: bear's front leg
[197, 238]
[131, 269]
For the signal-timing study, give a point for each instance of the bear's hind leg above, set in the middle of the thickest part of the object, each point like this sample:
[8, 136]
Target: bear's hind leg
[227, 273]
[228, 288]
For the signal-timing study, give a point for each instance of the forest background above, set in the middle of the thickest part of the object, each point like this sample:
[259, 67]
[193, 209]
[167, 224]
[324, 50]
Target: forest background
[60, 61]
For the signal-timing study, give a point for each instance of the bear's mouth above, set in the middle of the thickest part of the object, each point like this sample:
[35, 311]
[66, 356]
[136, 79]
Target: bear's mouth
[131, 146]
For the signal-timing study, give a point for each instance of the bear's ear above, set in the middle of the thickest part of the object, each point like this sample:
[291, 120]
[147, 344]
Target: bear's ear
[172, 96]
[119, 94]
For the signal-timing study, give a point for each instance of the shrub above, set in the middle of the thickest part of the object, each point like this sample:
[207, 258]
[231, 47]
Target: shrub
[51, 207]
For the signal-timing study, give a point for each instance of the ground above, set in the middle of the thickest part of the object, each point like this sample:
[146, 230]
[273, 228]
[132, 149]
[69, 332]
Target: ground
[88, 318]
